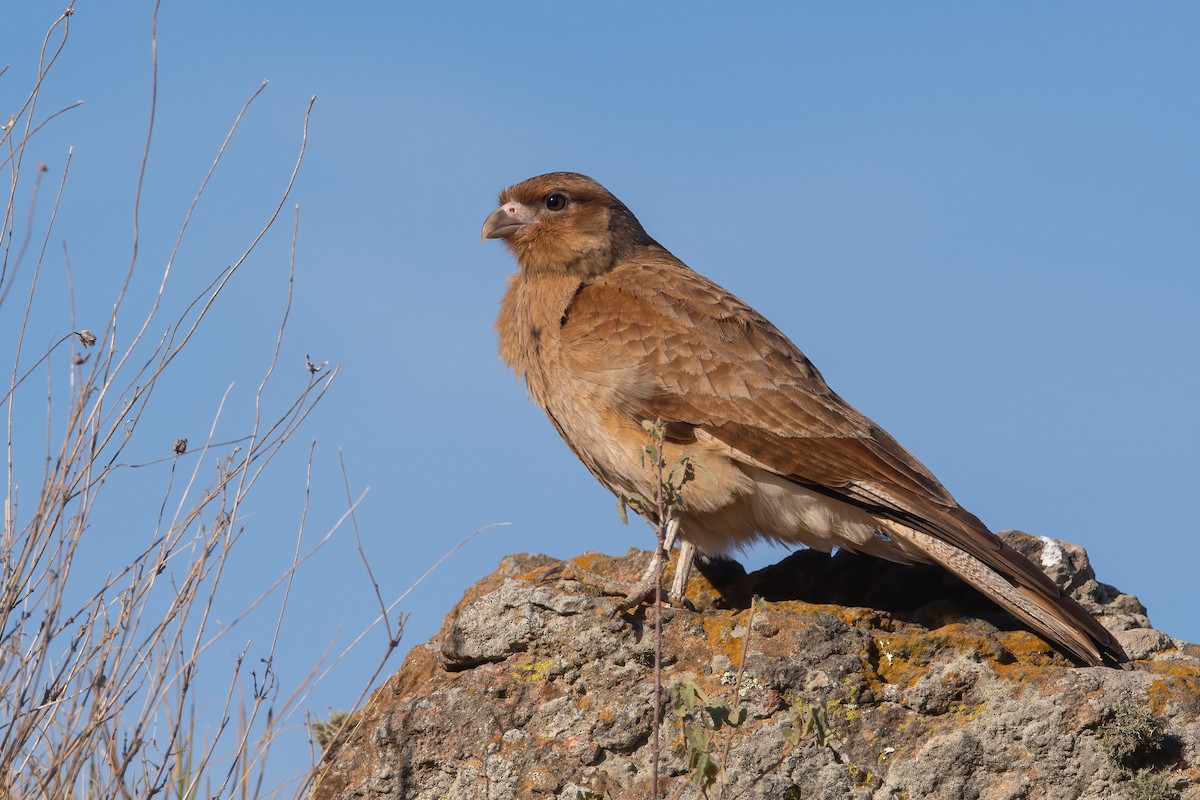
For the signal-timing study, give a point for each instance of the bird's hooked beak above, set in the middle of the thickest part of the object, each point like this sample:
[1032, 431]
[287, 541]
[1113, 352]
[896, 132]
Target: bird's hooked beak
[506, 220]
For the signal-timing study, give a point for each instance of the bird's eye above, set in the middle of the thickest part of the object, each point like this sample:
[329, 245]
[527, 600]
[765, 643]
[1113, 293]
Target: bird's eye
[556, 201]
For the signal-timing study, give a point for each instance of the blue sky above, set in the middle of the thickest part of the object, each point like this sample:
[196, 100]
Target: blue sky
[979, 221]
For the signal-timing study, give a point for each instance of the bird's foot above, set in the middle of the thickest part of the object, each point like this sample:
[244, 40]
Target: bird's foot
[573, 572]
[644, 588]
[634, 593]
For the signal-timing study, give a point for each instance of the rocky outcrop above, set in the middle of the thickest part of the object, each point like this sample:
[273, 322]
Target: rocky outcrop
[853, 678]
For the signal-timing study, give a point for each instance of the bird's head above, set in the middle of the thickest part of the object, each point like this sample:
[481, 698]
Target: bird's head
[564, 223]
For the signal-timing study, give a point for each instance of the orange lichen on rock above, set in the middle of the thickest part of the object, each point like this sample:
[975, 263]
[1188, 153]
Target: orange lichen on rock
[1179, 684]
[538, 690]
[720, 633]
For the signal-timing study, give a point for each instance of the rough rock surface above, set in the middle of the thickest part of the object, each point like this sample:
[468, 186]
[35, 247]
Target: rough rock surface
[854, 678]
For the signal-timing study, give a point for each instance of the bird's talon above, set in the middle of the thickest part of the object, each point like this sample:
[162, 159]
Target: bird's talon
[556, 570]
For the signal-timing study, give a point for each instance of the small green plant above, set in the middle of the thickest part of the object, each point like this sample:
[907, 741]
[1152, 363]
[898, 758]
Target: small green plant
[1133, 744]
[662, 512]
[702, 720]
[323, 730]
[1146, 784]
[670, 483]
[804, 719]
[1132, 739]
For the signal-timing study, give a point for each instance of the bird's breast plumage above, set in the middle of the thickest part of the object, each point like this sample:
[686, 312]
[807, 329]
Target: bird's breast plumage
[582, 398]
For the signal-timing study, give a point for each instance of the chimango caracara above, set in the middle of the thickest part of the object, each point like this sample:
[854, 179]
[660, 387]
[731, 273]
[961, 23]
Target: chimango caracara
[610, 330]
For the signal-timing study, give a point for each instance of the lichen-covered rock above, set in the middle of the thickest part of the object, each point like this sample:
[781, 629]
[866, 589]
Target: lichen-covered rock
[852, 679]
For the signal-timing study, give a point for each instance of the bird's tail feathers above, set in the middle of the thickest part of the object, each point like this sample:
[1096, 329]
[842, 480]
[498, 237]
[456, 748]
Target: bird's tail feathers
[1060, 620]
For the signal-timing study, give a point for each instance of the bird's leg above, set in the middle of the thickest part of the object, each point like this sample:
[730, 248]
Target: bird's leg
[641, 589]
[644, 587]
[683, 571]
[727, 576]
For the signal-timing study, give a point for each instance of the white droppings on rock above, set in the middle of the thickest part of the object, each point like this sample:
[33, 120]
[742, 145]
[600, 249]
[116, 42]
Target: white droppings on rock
[1052, 554]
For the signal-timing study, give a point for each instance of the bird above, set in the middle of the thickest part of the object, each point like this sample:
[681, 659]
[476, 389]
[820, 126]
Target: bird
[610, 332]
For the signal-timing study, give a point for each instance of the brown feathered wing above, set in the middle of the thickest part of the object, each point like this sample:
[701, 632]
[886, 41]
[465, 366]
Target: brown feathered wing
[718, 366]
